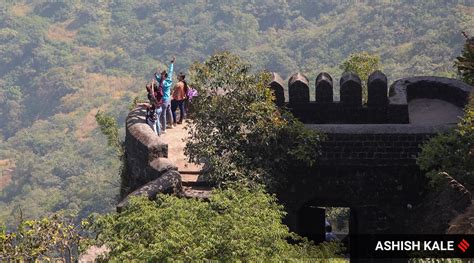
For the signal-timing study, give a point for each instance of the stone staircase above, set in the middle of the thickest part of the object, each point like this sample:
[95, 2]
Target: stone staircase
[193, 187]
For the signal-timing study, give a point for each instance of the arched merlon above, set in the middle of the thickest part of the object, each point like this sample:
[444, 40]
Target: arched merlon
[149, 171]
[451, 90]
[277, 86]
[379, 109]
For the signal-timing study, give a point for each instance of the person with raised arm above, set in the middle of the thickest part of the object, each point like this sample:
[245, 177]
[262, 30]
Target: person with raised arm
[166, 79]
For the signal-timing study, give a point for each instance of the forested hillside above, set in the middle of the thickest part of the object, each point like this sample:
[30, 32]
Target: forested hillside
[62, 61]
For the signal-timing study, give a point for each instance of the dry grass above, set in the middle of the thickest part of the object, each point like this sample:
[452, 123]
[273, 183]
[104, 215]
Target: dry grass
[463, 223]
[86, 125]
[102, 90]
[100, 86]
[466, 9]
[5, 163]
[20, 9]
[59, 32]
[89, 51]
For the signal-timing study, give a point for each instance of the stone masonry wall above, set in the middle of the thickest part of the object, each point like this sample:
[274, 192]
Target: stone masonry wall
[148, 170]
[373, 144]
[384, 105]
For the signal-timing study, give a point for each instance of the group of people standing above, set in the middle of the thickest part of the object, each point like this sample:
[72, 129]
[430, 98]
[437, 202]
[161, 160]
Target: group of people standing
[164, 102]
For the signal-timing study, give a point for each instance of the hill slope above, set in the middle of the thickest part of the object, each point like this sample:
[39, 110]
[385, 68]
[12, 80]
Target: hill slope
[62, 61]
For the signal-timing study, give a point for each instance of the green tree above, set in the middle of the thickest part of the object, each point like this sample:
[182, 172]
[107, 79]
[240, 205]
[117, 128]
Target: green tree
[453, 152]
[11, 114]
[54, 236]
[237, 129]
[237, 224]
[465, 62]
[363, 64]
[108, 126]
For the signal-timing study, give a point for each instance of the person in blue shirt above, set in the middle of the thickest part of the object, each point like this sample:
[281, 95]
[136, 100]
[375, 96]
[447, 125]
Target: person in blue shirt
[330, 236]
[167, 78]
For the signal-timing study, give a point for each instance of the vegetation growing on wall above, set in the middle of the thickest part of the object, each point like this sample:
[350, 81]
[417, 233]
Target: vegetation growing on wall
[239, 131]
[453, 152]
[63, 61]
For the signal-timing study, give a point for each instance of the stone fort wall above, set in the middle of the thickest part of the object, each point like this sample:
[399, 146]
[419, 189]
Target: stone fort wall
[383, 106]
[368, 161]
[148, 169]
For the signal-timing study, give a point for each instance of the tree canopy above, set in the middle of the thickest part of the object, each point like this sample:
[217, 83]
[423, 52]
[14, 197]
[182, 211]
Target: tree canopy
[237, 224]
[63, 61]
[239, 131]
[363, 64]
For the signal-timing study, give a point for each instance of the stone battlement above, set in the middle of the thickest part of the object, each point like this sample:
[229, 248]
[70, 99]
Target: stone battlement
[383, 106]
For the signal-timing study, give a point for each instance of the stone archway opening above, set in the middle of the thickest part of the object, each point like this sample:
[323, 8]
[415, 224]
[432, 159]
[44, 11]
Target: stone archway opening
[338, 219]
[325, 223]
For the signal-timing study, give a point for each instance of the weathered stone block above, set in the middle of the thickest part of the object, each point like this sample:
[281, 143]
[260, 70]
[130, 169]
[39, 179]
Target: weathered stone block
[298, 89]
[324, 88]
[351, 89]
[168, 183]
[276, 85]
[377, 90]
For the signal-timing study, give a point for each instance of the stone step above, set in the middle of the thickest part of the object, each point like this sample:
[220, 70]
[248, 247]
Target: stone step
[200, 192]
[192, 180]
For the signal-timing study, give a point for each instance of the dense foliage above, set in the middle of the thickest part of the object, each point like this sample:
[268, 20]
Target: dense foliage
[239, 131]
[465, 62]
[237, 224]
[453, 152]
[52, 237]
[63, 61]
[363, 64]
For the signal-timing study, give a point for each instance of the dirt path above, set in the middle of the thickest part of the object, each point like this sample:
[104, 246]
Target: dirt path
[175, 138]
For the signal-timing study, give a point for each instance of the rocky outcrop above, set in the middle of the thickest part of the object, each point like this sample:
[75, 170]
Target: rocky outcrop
[168, 183]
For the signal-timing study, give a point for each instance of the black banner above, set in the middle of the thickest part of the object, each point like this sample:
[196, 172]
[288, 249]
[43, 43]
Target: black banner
[411, 246]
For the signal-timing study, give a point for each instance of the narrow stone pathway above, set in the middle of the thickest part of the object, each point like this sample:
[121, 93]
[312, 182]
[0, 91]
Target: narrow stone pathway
[176, 140]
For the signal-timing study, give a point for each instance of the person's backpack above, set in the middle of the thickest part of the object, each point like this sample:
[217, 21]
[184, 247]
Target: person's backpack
[191, 93]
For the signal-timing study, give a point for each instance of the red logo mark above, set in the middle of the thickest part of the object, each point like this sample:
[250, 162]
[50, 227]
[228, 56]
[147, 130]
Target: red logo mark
[463, 245]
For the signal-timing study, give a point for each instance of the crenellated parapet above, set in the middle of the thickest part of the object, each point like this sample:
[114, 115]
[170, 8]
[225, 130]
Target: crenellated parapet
[148, 169]
[384, 105]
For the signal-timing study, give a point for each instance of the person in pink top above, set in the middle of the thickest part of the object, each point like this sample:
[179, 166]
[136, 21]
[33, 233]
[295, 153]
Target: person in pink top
[178, 98]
